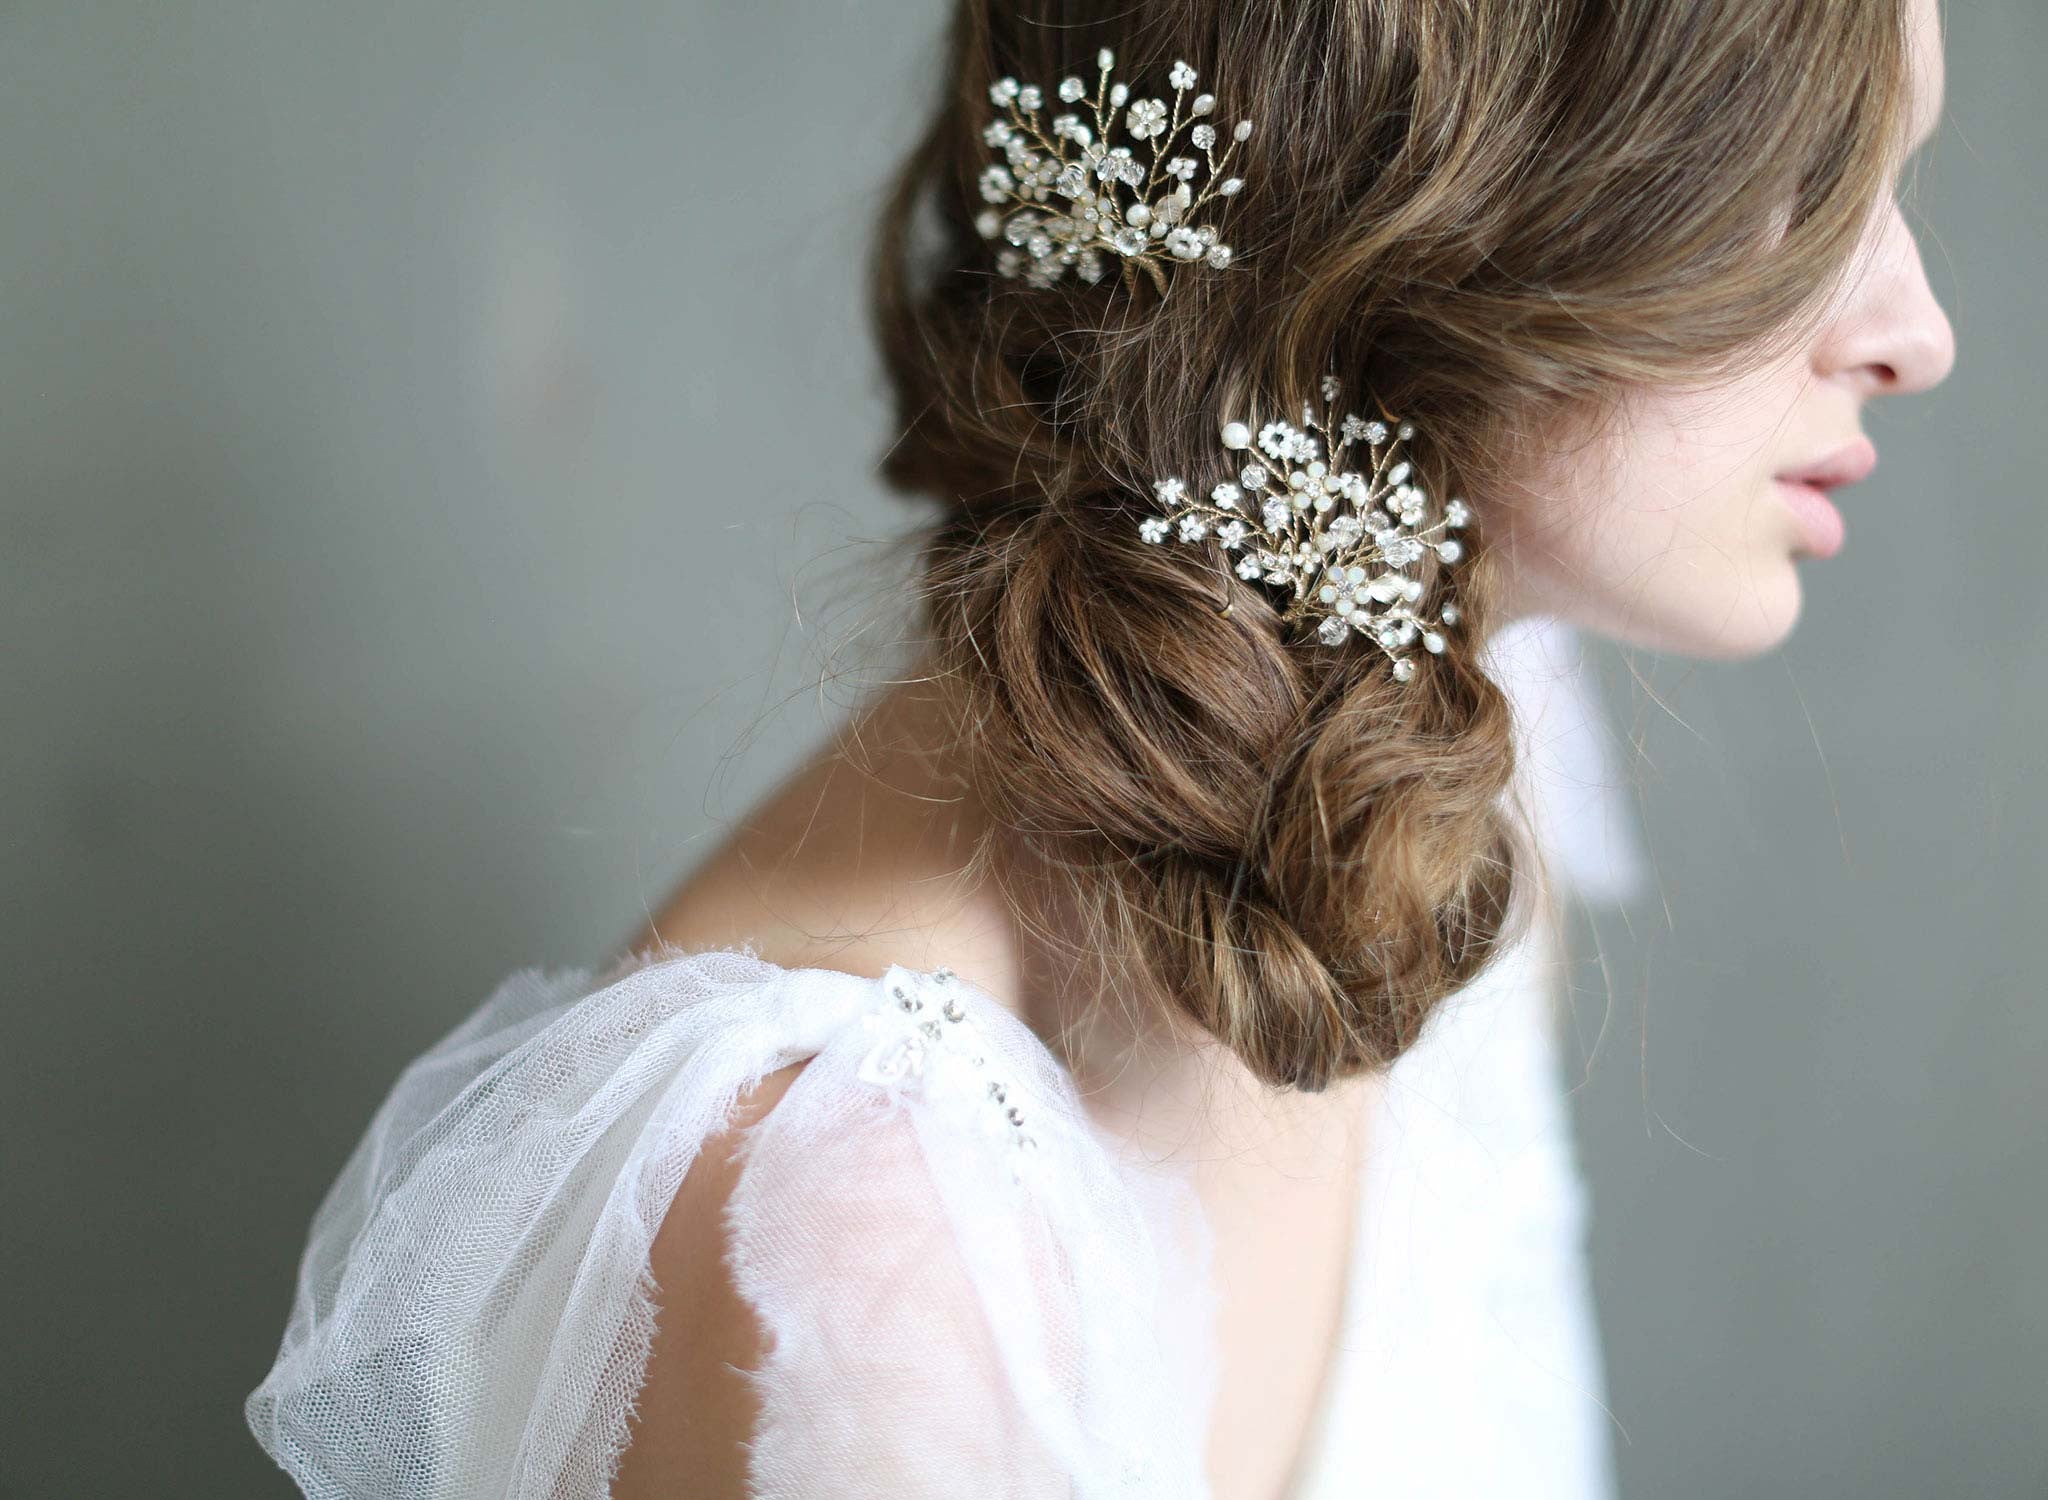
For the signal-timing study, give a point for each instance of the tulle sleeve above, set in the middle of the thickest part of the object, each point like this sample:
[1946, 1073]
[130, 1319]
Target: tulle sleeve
[965, 1287]
[964, 1296]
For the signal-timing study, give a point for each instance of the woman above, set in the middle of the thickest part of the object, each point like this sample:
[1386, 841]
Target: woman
[1038, 1142]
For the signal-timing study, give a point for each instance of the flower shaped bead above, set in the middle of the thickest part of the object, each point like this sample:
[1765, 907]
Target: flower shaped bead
[926, 1041]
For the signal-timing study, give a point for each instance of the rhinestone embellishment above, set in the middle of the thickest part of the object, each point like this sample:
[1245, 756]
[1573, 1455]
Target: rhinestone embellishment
[1065, 198]
[928, 1042]
[1335, 542]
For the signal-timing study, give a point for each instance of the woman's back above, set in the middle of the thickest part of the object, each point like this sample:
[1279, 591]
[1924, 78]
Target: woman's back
[867, 858]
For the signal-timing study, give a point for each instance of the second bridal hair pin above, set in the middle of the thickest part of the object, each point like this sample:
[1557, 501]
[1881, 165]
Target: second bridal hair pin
[1335, 541]
[1068, 199]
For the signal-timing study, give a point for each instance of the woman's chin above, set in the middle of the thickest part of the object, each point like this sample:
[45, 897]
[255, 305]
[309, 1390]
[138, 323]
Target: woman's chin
[1750, 617]
[1727, 618]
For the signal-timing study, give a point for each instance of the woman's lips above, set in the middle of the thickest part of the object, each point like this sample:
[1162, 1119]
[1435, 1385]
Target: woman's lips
[1849, 464]
[1822, 529]
[1806, 493]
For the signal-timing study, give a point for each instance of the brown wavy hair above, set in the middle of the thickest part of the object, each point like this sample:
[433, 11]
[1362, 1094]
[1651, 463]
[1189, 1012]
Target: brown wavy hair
[1493, 218]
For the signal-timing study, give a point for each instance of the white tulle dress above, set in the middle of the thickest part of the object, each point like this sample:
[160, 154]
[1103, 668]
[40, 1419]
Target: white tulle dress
[968, 1288]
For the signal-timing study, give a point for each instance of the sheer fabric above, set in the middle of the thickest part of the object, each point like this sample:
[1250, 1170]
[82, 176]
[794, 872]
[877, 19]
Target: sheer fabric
[965, 1288]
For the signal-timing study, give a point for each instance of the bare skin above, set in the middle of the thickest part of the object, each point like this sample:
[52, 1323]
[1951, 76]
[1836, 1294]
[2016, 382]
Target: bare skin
[863, 859]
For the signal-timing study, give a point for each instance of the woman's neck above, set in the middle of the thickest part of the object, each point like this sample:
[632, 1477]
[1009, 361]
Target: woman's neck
[879, 852]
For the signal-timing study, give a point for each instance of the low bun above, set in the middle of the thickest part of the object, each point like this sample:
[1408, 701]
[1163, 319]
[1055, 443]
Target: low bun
[1299, 853]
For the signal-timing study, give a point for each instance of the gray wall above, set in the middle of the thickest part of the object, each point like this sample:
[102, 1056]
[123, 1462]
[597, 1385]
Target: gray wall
[433, 455]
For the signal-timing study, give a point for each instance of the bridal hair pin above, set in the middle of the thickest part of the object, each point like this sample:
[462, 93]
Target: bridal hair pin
[1115, 203]
[1334, 539]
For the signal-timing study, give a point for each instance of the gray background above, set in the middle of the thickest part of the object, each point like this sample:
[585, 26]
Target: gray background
[433, 461]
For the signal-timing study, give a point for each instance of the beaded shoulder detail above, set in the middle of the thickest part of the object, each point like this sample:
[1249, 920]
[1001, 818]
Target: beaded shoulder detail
[925, 1040]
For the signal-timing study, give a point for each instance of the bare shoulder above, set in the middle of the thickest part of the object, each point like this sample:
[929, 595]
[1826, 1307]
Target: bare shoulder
[816, 1314]
[697, 1408]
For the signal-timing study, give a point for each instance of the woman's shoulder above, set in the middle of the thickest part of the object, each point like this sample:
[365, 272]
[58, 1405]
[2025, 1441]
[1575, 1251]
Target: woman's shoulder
[865, 1275]
[880, 1194]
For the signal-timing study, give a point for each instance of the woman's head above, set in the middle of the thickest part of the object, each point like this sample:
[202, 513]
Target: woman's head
[1521, 224]
[1677, 528]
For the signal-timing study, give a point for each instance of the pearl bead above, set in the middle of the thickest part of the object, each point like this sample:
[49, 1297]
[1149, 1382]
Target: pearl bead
[1236, 435]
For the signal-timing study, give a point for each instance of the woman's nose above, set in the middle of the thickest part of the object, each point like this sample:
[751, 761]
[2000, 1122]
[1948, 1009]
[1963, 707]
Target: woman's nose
[1893, 335]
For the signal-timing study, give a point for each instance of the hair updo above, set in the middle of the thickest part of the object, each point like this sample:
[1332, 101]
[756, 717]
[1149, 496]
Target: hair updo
[1489, 217]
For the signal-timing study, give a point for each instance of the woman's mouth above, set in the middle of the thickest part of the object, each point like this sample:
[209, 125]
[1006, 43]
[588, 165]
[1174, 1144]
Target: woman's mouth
[1806, 494]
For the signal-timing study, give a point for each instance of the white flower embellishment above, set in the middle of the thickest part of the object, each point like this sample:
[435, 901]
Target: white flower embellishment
[924, 1040]
[1068, 199]
[1333, 540]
